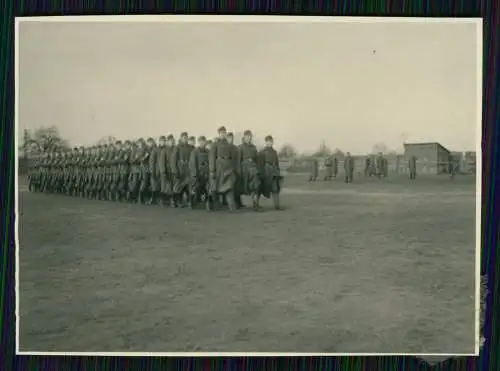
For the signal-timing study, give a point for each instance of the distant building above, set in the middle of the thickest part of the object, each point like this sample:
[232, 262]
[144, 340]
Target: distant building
[432, 158]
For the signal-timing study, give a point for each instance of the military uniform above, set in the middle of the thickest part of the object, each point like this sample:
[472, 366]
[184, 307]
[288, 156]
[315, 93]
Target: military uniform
[412, 166]
[165, 171]
[250, 180]
[328, 168]
[124, 171]
[199, 173]
[313, 174]
[348, 168]
[335, 166]
[180, 169]
[153, 172]
[270, 173]
[222, 170]
[135, 171]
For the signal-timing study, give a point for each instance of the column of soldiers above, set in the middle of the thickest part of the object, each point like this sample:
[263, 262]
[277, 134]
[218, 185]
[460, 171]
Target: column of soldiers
[180, 174]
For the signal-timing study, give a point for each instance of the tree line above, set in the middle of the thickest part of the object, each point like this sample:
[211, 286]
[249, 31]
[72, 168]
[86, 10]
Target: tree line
[47, 138]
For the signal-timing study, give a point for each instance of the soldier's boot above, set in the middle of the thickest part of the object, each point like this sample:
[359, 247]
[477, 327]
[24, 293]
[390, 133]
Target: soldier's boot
[128, 196]
[256, 202]
[191, 201]
[239, 202]
[230, 201]
[173, 201]
[276, 200]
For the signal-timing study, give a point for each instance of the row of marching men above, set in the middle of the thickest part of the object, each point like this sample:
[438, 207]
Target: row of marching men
[213, 173]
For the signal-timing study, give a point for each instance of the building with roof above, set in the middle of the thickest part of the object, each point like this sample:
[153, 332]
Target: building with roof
[432, 157]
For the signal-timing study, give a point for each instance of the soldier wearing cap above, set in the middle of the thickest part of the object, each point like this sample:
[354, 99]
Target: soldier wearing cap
[153, 176]
[250, 181]
[222, 170]
[180, 169]
[145, 176]
[192, 142]
[100, 162]
[135, 171]
[199, 173]
[95, 171]
[164, 169]
[123, 162]
[328, 164]
[270, 172]
[313, 173]
[379, 165]
[412, 166]
[348, 168]
[236, 155]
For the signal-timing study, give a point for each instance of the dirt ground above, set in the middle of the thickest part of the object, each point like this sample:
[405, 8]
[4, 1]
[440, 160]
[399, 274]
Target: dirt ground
[374, 266]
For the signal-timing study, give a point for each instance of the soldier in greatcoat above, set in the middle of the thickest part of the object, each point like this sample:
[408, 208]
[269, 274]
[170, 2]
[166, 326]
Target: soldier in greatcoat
[179, 165]
[313, 173]
[250, 180]
[137, 152]
[236, 156]
[348, 167]
[412, 166]
[328, 164]
[164, 169]
[270, 172]
[222, 170]
[199, 173]
[153, 174]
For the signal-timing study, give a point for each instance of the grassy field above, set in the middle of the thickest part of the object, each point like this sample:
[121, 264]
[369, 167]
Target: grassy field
[374, 266]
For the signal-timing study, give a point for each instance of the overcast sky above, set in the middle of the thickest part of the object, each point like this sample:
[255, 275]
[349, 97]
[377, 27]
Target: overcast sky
[350, 84]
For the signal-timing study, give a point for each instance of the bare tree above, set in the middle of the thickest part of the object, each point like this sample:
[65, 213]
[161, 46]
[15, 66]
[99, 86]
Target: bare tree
[287, 151]
[323, 150]
[42, 140]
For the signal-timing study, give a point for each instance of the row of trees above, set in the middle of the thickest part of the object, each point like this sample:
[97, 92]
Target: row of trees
[47, 138]
[288, 151]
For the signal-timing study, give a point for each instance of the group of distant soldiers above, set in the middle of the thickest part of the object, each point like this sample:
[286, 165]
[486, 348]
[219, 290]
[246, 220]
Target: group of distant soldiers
[177, 173]
[375, 166]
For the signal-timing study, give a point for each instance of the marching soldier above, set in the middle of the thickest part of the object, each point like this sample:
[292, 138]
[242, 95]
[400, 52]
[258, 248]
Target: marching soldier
[222, 170]
[135, 171]
[145, 170]
[250, 181]
[367, 167]
[153, 171]
[348, 167]
[412, 166]
[335, 166]
[123, 170]
[313, 174]
[94, 171]
[199, 173]
[270, 172]
[328, 168]
[379, 165]
[164, 169]
[180, 169]
[235, 155]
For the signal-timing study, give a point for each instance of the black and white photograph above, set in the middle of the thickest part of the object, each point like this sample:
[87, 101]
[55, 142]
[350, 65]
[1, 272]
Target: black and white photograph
[241, 184]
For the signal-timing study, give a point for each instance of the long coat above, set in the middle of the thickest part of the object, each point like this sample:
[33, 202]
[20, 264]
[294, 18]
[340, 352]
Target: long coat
[249, 169]
[164, 169]
[199, 171]
[179, 165]
[222, 166]
[270, 172]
